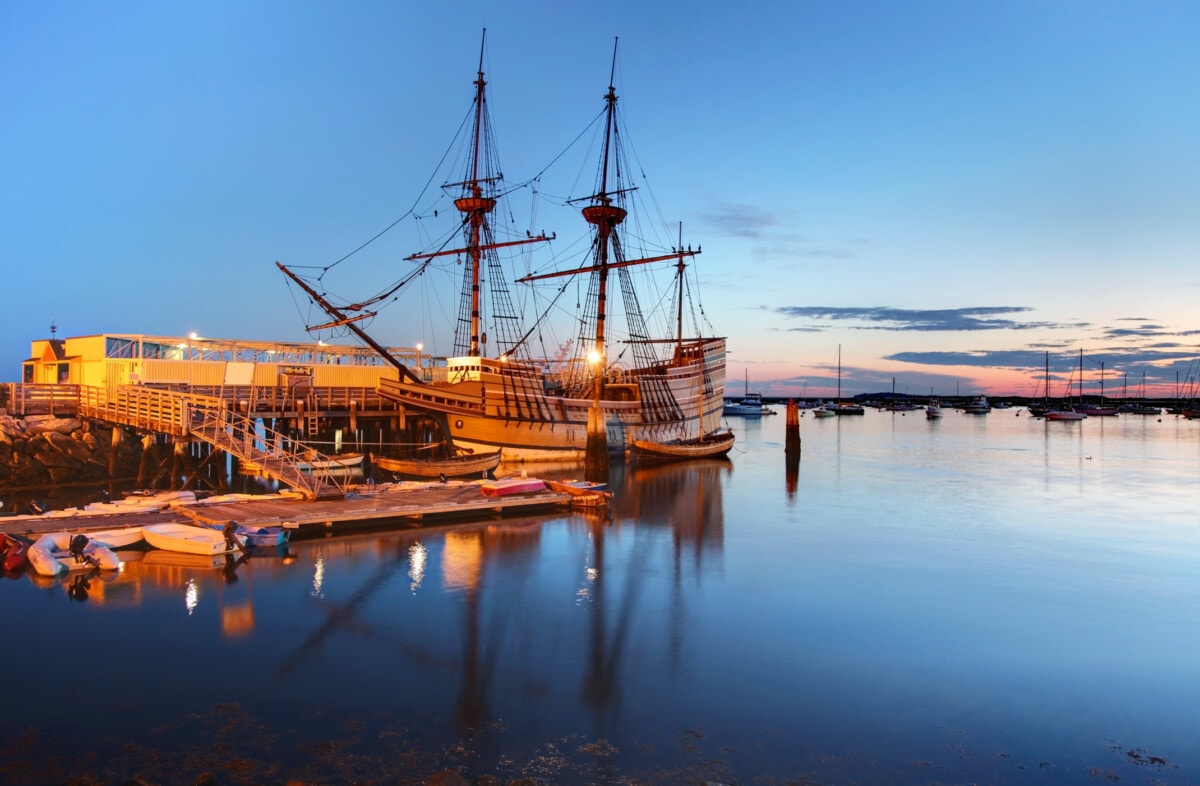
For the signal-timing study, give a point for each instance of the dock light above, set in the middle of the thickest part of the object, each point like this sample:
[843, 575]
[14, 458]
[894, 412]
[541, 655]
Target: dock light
[193, 336]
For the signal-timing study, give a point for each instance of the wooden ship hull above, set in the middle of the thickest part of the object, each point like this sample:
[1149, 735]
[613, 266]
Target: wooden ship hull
[498, 406]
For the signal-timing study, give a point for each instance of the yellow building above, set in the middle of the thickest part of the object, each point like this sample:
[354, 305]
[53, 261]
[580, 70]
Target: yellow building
[110, 360]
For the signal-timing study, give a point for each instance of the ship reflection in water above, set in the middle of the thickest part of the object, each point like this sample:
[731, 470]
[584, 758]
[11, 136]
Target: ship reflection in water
[860, 619]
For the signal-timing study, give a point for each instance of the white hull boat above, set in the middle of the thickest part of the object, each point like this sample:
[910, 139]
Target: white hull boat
[188, 539]
[52, 554]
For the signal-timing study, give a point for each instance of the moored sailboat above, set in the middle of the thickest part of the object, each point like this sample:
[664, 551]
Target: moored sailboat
[670, 388]
[843, 408]
[1065, 412]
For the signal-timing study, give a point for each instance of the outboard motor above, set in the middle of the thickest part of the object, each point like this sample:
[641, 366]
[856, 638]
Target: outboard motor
[77, 546]
[230, 533]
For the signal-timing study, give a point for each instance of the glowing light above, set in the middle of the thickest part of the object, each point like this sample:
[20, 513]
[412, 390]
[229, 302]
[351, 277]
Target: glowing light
[594, 357]
[191, 596]
[193, 335]
[318, 575]
[418, 556]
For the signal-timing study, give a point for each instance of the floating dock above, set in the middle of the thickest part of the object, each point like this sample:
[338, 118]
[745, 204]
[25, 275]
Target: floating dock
[403, 505]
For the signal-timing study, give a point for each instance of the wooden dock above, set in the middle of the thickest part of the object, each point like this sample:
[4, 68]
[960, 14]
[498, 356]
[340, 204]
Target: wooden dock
[400, 505]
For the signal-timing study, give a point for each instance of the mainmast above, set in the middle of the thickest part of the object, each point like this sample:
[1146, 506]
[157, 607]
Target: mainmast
[606, 212]
[602, 213]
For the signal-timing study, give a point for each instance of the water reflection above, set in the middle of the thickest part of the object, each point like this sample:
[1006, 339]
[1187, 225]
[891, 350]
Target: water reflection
[952, 587]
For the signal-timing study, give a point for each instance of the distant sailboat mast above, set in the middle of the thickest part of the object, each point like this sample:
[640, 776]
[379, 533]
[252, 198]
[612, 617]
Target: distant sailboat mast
[839, 398]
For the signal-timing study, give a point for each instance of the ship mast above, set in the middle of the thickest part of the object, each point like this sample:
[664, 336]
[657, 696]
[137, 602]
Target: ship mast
[605, 213]
[602, 213]
[475, 203]
[475, 207]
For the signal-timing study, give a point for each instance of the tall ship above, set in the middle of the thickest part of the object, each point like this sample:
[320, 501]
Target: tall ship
[659, 385]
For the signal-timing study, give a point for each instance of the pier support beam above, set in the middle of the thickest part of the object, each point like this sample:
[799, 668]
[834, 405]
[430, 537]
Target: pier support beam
[115, 446]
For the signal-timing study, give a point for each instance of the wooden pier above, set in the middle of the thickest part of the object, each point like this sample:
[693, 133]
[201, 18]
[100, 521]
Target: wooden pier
[399, 505]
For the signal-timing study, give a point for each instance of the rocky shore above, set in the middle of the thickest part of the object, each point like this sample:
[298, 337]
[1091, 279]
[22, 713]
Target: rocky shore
[45, 450]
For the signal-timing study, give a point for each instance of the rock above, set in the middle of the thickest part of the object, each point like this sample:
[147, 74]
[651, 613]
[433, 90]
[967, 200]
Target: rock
[40, 424]
[446, 778]
[44, 449]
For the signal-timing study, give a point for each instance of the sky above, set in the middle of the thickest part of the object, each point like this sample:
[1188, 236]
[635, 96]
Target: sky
[937, 193]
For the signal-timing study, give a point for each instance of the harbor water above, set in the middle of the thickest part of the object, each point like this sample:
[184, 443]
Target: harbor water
[975, 599]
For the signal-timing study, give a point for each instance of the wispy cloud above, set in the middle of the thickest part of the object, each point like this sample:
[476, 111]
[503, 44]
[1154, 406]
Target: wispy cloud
[945, 319]
[745, 221]
[777, 232]
[1060, 360]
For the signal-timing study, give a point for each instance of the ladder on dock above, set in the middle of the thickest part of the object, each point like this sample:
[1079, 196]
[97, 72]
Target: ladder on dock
[209, 419]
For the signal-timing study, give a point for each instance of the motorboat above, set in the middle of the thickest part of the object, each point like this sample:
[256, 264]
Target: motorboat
[1067, 413]
[978, 406]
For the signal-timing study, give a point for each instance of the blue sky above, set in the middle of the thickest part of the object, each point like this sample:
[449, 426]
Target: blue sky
[945, 190]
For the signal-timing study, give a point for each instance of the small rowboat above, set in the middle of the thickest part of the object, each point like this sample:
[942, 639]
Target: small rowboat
[708, 446]
[583, 493]
[57, 553]
[266, 536]
[461, 466]
[346, 465]
[117, 537]
[275, 535]
[509, 486]
[189, 539]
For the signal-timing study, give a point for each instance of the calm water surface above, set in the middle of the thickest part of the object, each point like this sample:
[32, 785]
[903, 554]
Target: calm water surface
[981, 599]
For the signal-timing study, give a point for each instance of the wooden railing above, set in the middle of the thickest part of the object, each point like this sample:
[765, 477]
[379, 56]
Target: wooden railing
[162, 411]
[22, 398]
[210, 419]
[278, 398]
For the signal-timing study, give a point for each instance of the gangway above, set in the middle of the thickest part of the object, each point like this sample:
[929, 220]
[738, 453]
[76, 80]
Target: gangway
[209, 419]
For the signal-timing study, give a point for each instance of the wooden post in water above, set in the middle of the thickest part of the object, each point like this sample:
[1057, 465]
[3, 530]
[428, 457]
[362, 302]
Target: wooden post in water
[792, 439]
[595, 465]
[791, 449]
[596, 459]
